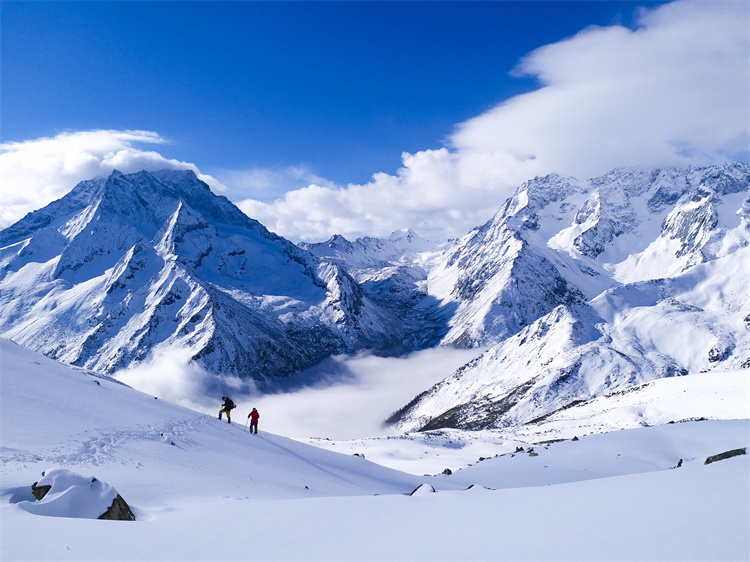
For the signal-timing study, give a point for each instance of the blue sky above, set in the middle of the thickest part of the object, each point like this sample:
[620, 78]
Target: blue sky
[342, 87]
[363, 117]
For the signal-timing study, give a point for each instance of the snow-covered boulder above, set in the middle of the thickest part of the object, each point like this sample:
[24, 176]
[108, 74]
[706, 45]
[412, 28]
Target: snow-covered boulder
[62, 493]
[423, 490]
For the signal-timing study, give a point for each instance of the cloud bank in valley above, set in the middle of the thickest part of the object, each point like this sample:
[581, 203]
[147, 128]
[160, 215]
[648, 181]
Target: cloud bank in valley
[673, 91]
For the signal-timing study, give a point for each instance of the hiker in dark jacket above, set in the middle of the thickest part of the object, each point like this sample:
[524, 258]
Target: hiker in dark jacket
[228, 406]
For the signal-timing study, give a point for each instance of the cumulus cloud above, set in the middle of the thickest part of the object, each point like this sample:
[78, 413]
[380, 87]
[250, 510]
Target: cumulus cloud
[671, 92]
[34, 173]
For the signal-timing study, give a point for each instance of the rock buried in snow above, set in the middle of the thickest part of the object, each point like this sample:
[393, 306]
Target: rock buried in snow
[725, 455]
[62, 493]
[422, 489]
[39, 491]
[118, 511]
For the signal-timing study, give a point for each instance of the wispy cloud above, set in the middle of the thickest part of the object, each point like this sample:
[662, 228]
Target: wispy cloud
[170, 373]
[269, 184]
[34, 173]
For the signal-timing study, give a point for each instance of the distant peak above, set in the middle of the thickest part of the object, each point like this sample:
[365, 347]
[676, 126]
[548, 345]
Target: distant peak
[406, 233]
[338, 241]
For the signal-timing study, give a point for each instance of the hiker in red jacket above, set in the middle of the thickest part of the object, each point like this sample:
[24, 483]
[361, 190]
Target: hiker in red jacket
[254, 417]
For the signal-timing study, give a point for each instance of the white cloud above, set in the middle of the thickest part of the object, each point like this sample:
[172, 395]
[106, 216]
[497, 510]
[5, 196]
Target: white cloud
[356, 395]
[672, 92]
[351, 397]
[268, 184]
[36, 172]
[171, 374]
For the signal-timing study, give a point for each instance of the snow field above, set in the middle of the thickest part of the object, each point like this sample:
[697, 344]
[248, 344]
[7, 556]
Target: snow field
[202, 489]
[692, 513]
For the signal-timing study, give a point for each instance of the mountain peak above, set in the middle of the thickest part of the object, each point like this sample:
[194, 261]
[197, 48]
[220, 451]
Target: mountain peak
[136, 262]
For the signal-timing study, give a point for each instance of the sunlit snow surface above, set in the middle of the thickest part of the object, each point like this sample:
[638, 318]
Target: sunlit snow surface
[203, 489]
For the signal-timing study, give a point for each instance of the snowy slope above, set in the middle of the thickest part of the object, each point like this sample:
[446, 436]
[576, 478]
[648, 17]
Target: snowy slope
[574, 290]
[691, 323]
[201, 488]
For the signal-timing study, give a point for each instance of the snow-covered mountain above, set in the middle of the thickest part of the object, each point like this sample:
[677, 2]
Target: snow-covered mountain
[402, 247]
[573, 290]
[584, 288]
[563, 241]
[126, 266]
[392, 272]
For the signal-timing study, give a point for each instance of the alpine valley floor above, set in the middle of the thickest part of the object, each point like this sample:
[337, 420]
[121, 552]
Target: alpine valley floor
[202, 489]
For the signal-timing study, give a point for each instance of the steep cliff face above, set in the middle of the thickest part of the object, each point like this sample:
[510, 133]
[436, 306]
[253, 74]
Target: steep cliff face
[497, 281]
[127, 265]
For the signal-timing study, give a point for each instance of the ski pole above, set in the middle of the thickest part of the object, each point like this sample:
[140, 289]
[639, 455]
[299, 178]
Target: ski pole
[246, 423]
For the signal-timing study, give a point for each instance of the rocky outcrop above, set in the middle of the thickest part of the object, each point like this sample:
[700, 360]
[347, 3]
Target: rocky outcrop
[726, 455]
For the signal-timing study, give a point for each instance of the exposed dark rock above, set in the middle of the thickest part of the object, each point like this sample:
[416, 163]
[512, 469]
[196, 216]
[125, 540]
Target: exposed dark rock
[716, 354]
[725, 455]
[422, 489]
[39, 491]
[118, 511]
